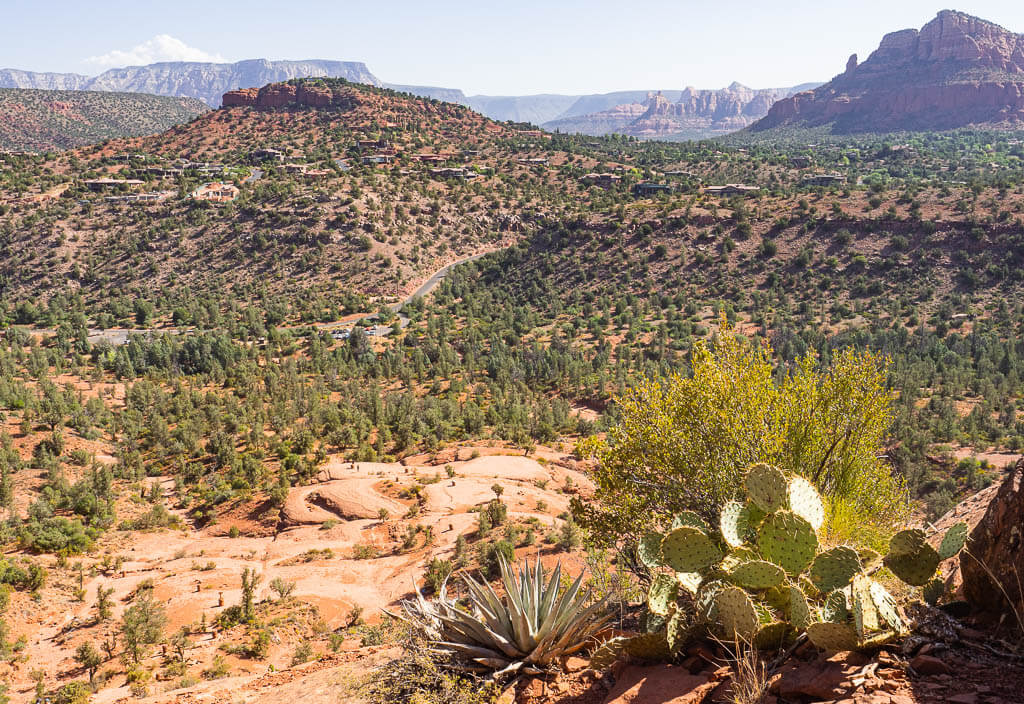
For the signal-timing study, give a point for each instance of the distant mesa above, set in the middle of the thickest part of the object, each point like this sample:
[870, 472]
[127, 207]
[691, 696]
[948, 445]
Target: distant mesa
[956, 71]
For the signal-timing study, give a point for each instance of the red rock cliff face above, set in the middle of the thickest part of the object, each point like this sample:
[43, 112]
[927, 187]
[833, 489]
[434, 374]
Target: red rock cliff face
[956, 71]
[283, 95]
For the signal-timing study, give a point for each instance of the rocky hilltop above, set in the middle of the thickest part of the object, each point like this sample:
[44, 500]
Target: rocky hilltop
[955, 71]
[694, 113]
[281, 95]
[191, 79]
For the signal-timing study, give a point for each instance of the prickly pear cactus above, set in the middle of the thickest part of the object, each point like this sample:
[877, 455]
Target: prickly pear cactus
[954, 541]
[787, 540]
[689, 549]
[833, 637]
[689, 518]
[662, 595]
[649, 549]
[736, 613]
[834, 568]
[763, 576]
[767, 487]
[911, 558]
[757, 574]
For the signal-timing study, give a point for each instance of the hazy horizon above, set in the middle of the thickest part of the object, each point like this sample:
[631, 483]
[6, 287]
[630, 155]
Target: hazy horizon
[529, 49]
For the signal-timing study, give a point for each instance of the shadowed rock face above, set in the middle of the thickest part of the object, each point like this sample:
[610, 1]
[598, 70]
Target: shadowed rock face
[996, 550]
[956, 71]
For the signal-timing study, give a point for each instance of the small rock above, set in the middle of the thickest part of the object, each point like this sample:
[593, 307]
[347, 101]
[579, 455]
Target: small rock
[575, 664]
[929, 665]
[967, 698]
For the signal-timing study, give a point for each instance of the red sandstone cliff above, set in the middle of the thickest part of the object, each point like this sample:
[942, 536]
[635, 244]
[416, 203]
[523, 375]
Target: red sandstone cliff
[956, 71]
[281, 95]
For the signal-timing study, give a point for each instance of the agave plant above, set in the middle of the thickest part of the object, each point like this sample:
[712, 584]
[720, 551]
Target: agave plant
[535, 625]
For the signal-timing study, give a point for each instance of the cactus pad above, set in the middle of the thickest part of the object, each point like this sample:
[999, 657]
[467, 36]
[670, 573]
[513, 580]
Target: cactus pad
[805, 501]
[733, 524]
[649, 549]
[787, 540]
[835, 608]
[834, 568]
[777, 598]
[662, 595]
[865, 617]
[681, 631]
[690, 581]
[607, 653]
[910, 558]
[886, 606]
[954, 541]
[757, 574]
[650, 646]
[767, 487]
[736, 613]
[933, 591]
[773, 636]
[799, 610]
[689, 549]
[689, 518]
[706, 598]
[833, 637]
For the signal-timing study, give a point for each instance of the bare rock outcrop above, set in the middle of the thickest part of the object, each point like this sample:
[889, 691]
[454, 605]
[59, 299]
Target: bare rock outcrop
[957, 71]
[993, 565]
[276, 96]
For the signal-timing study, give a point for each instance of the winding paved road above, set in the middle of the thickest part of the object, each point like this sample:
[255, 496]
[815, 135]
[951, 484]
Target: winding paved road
[119, 336]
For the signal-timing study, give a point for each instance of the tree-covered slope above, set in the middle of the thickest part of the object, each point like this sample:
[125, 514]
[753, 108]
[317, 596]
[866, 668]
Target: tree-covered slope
[43, 120]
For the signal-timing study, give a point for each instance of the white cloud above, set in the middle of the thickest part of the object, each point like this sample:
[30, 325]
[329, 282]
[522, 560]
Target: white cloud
[162, 47]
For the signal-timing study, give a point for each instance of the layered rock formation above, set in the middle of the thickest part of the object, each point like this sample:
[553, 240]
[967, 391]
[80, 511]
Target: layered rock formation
[694, 113]
[284, 95]
[993, 565]
[956, 71]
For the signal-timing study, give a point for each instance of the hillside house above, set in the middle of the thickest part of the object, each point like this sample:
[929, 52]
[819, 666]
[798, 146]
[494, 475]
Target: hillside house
[823, 180]
[105, 184]
[800, 162]
[605, 180]
[373, 145]
[260, 156]
[295, 168]
[731, 189]
[164, 171]
[649, 188]
[215, 193]
[533, 161]
[378, 159]
[449, 172]
[316, 174]
[430, 158]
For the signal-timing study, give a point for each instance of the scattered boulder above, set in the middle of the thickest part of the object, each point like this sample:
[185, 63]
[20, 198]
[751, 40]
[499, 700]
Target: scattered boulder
[993, 564]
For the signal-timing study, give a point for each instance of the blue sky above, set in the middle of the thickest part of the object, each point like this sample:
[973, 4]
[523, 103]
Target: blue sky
[500, 48]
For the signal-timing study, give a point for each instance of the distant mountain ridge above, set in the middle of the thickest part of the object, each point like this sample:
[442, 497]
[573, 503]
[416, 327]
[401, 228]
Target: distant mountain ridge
[956, 71]
[190, 79]
[686, 114]
[706, 112]
[44, 120]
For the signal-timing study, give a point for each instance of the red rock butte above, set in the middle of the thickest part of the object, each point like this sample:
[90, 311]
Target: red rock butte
[956, 71]
[283, 95]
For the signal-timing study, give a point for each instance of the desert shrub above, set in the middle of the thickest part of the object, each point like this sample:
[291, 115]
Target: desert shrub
[420, 676]
[684, 443]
